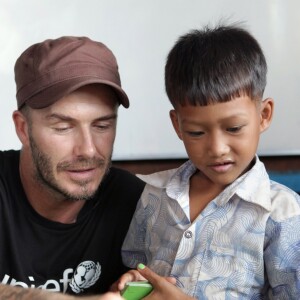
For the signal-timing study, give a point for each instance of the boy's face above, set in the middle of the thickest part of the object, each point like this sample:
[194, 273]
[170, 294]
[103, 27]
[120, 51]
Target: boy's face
[222, 139]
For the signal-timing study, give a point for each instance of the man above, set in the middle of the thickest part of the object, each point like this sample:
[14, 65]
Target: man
[64, 211]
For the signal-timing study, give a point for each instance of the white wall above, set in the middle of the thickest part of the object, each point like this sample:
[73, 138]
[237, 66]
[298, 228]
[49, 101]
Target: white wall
[141, 33]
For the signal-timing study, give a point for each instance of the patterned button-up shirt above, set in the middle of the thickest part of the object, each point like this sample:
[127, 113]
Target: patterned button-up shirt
[244, 245]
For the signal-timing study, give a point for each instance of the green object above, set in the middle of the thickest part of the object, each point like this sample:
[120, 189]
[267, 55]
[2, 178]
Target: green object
[136, 290]
[141, 266]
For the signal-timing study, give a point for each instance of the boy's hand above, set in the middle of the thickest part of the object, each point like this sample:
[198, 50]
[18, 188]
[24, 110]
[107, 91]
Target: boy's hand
[163, 288]
[132, 275]
[106, 296]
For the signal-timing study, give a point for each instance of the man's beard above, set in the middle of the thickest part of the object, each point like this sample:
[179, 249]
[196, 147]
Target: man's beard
[44, 173]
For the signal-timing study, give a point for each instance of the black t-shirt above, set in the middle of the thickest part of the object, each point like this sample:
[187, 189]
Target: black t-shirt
[83, 257]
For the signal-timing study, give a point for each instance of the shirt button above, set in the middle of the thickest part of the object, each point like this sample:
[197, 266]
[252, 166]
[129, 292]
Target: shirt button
[188, 234]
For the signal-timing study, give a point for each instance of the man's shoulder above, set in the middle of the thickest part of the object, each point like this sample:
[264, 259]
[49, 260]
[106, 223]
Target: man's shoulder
[8, 159]
[119, 173]
[9, 153]
[123, 179]
[9, 173]
[121, 189]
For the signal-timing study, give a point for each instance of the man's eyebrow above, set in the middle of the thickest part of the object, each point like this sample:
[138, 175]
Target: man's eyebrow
[107, 117]
[66, 118]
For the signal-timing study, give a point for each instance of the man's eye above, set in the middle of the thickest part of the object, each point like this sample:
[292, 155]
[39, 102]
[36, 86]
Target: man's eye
[102, 126]
[61, 129]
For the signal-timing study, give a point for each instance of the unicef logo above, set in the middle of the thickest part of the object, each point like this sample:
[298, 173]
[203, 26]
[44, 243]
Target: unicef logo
[86, 274]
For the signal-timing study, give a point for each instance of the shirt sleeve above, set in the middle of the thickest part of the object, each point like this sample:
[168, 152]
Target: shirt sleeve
[282, 258]
[133, 249]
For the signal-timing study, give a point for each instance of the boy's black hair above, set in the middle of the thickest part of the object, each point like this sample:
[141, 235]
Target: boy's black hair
[215, 65]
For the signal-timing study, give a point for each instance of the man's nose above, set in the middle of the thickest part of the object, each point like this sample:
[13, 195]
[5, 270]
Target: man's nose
[84, 144]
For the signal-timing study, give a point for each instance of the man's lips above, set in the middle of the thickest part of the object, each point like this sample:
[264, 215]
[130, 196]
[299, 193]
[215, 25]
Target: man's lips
[80, 165]
[82, 174]
[80, 170]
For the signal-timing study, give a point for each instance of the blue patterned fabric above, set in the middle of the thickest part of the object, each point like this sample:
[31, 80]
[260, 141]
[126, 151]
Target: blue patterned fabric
[244, 245]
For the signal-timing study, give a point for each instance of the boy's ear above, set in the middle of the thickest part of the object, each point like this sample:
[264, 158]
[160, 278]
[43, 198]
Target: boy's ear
[21, 127]
[174, 119]
[266, 113]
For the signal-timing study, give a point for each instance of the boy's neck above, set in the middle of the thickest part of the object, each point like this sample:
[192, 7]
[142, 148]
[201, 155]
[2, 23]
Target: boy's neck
[201, 192]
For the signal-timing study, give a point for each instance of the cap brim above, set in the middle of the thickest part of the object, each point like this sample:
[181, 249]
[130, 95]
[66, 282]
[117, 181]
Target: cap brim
[53, 93]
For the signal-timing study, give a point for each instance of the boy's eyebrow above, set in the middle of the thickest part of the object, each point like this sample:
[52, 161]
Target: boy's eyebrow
[241, 114]
[66, 118]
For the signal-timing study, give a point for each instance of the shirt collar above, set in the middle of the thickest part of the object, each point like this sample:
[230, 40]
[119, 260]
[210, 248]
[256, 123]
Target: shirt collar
[253, 186]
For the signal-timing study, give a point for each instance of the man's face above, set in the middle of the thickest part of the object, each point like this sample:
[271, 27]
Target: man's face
[71, 142]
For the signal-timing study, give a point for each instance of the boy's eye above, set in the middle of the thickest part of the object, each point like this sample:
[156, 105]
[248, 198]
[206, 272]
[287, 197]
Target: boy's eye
[195, 133]
[234, 129]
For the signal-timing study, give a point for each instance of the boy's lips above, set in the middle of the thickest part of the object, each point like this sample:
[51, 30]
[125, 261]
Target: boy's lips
[221, 167]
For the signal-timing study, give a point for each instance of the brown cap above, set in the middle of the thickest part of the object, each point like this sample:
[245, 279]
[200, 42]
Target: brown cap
[50, 70]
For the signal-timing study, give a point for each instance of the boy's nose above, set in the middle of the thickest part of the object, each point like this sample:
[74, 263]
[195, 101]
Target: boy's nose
[218, 146]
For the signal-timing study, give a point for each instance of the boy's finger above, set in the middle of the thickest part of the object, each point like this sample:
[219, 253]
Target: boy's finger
[131, 275]
[171, 280]
[151, 276]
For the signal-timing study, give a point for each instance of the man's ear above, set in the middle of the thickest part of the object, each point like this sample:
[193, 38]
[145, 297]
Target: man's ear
[21, 127]
[174, 119]
[266, 113]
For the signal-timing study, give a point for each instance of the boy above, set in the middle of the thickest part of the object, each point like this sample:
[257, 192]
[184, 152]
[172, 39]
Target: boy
[218, 224]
